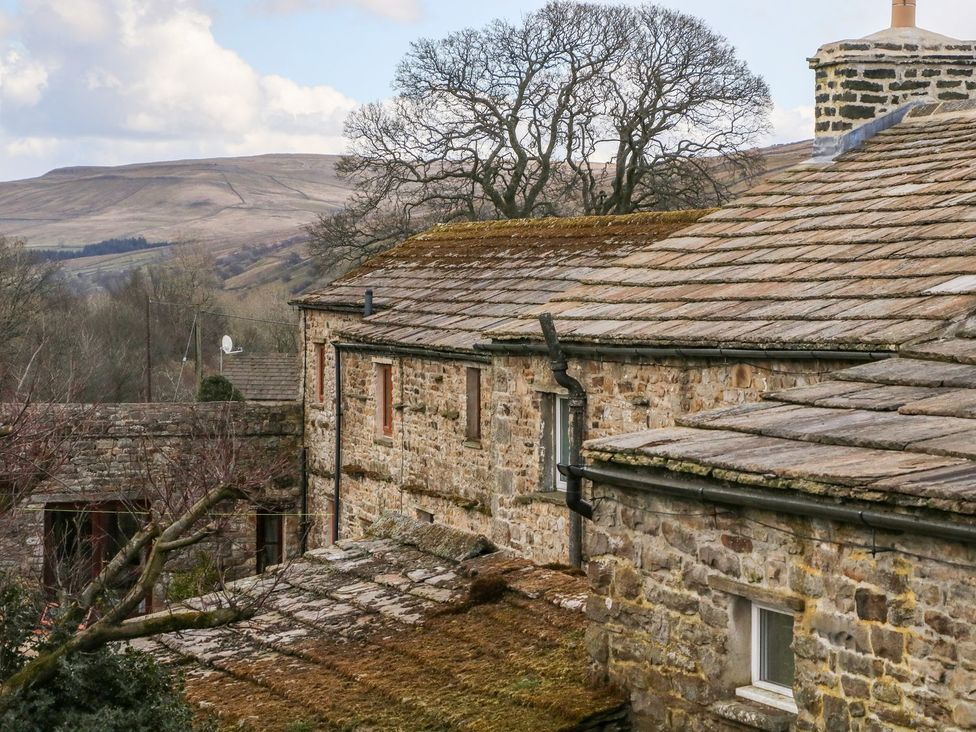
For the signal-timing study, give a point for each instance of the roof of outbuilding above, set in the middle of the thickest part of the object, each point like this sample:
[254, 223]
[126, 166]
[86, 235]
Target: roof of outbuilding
[900, 431]
[448, 287]
[390, 633]
[264, 377]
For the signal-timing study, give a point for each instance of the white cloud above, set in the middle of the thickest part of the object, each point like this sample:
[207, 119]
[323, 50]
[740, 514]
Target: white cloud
[129, 80]
[403, 11]
[791, 124]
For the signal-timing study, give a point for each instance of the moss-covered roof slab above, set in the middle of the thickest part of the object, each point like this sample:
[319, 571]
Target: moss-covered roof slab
[390, 634]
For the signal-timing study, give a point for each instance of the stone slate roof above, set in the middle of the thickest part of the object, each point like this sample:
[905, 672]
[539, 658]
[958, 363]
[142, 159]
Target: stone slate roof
[900, 431]
[446, 288]
[387, 634]
[265, 377]
[870, 252]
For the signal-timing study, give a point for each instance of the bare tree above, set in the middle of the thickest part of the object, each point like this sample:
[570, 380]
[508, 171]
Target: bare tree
[675, 121]
[34, 445]
[580, 108]
[186, 498]
[25, 283]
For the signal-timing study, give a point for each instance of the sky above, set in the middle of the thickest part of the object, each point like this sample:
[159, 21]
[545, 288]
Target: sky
[108, 82]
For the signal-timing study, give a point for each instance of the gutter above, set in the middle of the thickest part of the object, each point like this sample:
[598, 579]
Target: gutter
[577, 426]
[416, 352]
[611, 352]
[699, 489]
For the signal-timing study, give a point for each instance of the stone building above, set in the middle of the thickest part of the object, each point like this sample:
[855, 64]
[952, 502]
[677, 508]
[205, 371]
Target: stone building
[452, 414]
[800, 562]
[814, 552]
[119, 470]
[808, 562]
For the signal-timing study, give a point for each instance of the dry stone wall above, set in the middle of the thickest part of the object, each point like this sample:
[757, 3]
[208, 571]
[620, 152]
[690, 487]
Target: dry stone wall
[882, 640]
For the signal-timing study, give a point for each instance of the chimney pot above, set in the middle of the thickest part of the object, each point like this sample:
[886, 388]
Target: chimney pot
[903, 13]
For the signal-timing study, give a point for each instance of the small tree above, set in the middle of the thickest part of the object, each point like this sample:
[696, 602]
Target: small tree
[103, 691]
[580, 108]
[217, 388]
[187, 498]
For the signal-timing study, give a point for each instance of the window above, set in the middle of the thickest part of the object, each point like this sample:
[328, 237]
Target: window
[473, 410]
[320, 372]
[772, 659]
[270, 540]
[561, 440]
[81, 538]
[425, 517]
[384, 399]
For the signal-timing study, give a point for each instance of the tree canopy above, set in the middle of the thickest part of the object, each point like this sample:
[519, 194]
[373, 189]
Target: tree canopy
[580, 108]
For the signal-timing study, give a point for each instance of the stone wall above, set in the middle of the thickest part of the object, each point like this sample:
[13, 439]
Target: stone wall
[499, 487]
[109, 452]
[860, 81]
[882, 640]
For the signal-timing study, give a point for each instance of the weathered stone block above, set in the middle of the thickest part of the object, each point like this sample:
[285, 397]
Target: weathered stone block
[871, 605]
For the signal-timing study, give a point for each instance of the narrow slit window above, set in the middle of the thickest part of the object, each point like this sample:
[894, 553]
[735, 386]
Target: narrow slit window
[384, 399]
[320, 372]
[473, 409]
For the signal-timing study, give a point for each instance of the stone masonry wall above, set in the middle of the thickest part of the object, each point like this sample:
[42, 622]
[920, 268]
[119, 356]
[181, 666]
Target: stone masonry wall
[107, 459]
[859, 81]
[499, 487]
[882, 641]
[622, 398]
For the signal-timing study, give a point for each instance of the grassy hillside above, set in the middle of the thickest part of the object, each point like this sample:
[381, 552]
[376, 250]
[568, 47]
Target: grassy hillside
[248, 212]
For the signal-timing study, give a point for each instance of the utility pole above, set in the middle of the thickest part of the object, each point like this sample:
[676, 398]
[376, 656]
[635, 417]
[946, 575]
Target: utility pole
[149, 397]
[198, 345]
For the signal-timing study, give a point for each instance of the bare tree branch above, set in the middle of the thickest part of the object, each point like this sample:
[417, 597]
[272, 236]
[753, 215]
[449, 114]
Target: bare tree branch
[580, 108]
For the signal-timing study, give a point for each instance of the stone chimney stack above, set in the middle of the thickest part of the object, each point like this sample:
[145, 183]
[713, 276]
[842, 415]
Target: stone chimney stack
[866, 85]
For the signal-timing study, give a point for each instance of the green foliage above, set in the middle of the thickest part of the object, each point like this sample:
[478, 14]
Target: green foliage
[202, 577]
[218, 388]
[104, 691]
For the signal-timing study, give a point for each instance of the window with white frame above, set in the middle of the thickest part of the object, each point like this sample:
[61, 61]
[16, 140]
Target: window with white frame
[773, 661]
[561, 439]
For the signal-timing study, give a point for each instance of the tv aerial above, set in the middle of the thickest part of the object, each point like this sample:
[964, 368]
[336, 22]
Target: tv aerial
[227, 348]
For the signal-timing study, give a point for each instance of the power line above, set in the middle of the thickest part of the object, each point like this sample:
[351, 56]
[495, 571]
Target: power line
[224, 315]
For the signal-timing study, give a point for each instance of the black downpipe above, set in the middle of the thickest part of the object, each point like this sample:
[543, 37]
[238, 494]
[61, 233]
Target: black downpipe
[699, 489]
[577, 427]
[304, 526]
[337, 470]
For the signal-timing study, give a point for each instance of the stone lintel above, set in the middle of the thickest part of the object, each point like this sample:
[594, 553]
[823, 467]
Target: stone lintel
[775, 599]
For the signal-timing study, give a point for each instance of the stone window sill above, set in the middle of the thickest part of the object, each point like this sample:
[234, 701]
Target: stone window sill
[384, 441]
[473, 444]
[754, 715]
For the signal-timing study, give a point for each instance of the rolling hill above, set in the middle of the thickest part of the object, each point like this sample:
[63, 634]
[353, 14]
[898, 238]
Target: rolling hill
[248, 211]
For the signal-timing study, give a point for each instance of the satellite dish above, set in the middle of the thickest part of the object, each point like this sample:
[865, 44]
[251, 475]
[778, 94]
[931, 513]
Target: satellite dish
[227, 344]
